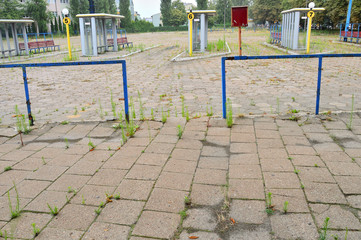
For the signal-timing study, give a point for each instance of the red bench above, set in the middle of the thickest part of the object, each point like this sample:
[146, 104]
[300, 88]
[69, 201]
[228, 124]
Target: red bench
[120, 42]
[355, 34]
[36, 46]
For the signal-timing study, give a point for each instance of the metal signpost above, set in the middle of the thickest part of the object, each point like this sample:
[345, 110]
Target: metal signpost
[191, 17]
[66, 21]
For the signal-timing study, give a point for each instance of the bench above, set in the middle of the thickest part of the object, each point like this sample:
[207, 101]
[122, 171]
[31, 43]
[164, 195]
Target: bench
[50, 44]
[37, 46]
[120, 42]
[354, 34]
[7, 51]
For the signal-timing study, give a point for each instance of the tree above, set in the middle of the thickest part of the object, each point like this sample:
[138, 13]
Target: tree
[202, 4]
[78, 7]
[56, 26]
[36, 9]
[179, 15]
[124, 10]
[267, 10]
[11, 9]
[166, 10]
[223, 8]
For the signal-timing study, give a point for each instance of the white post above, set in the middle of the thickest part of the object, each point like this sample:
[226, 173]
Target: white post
[1, 44]
[105, 34]
[296, 30]
[115, 35]
[15, 38]
[7, 38]
[203, 32]
[82, 36]
[283, 29]
[25, 39]
[94, 36]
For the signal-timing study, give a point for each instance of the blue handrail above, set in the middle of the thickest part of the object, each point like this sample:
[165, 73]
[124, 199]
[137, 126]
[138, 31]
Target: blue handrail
[27, 95]
[319, 56]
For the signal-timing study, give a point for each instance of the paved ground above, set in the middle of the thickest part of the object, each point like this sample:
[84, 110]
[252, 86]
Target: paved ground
[255, 87]
[212, 183]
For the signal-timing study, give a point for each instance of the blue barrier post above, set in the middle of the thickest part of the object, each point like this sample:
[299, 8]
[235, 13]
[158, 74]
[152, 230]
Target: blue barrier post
[319, 56]
[224, 97]
[125, 88]
[27, 96]
[319, 85]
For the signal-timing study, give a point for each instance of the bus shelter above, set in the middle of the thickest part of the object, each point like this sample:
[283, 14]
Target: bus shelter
[14, 25]
[200, 29]
[291, 27]
[93, 32]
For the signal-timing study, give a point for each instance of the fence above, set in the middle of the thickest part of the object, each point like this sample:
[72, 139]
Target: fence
[27, 95]
[276, 33]
[319, 56]
[352, 32]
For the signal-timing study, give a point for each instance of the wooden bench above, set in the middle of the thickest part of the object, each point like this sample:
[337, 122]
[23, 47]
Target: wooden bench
[30, 46]
[50, 44]
[7, 51]
[120, 42]
[354, 34]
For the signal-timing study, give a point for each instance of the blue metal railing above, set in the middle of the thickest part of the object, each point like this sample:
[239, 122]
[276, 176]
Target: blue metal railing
[319, 56]
[27, 95]
[36, 35]
[276, 32]
[353, 31]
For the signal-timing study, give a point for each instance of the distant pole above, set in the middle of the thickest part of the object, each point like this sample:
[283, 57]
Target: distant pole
[224, 16]
[348, 20]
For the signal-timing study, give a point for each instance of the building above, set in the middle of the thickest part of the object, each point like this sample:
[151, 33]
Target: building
[55, 6]
[156, 20]
[131, 8]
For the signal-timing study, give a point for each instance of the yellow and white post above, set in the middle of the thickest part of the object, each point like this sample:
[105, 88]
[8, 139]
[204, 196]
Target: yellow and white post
[310, 15]
[190, 18]
[66, 21]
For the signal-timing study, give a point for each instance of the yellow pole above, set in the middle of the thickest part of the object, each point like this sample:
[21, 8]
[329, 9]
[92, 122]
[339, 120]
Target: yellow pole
[68, 36]
[309, 34]
[191, 37]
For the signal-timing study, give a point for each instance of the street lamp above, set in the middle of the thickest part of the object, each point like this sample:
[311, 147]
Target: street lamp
[65, 11]
[311, 5]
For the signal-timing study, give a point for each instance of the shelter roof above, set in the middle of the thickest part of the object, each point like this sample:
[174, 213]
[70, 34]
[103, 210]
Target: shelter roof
[207, 12]
[16, 21]
[303, 10]
[99, 15]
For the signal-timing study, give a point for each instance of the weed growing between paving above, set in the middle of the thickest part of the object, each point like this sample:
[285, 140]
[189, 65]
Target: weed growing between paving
[187, 114]
[14, 212]
[54, 211]
[349, 125]
[141, 107]
[36, 230]
[113, 104]
[21, 125]
[180, 131]
[269, 205]
[323, 234]
[66, 143]
[8, 168]
[209, 111]
[285, 207]
[91, 145]
[229, 113]
[164, 116]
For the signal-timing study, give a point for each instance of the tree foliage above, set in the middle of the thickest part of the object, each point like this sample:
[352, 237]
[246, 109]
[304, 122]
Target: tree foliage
[36, 9]
[166, 10]
[202, 4]
[124, 11]
[11, 9]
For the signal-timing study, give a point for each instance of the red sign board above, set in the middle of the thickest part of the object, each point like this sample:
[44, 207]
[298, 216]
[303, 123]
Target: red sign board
[240, 16]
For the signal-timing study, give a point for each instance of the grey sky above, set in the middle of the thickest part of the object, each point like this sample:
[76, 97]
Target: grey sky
[146, 8]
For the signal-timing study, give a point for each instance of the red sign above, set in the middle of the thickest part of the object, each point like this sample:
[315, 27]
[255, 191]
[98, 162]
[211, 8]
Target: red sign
[240, 16]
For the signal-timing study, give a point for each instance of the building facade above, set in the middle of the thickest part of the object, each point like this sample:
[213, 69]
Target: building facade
[157, 20]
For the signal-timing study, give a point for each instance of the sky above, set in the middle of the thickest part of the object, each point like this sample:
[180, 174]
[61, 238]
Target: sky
[147, 8]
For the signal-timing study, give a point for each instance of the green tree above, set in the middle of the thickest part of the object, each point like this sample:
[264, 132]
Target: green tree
[56, 26]
[36, 9]
[223, 8]
[266, 10]
[166, 10]
[78, 7]
[11, 9]
[202, 4]
[124, 11]
[179, 15]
